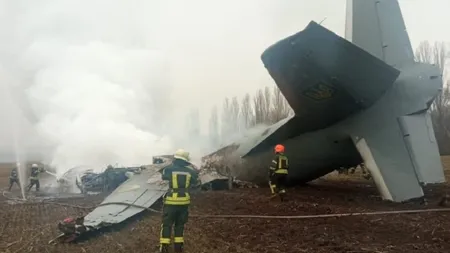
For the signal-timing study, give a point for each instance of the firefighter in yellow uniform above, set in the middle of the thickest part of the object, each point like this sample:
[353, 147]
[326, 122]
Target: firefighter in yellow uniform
[278, 171]
[34, 177]
[14, 177]
[181, 176]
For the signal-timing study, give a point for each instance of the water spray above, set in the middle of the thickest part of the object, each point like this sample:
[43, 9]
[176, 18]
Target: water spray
[21, 170]
[17, 144]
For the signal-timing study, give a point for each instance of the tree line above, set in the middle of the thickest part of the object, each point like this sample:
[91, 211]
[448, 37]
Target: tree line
[268, 105]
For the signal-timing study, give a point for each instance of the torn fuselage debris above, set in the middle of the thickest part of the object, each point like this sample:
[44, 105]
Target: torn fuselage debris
[138, 193]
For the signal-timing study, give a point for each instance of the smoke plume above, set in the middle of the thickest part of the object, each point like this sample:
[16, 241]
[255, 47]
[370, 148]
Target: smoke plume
[112, 81]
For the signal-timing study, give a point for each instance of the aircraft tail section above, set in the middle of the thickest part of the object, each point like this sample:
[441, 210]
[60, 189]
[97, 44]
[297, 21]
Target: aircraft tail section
[324, 78]
[385, 155]
[319, 72]
[404, 151]
[377, 26]
[422, 147]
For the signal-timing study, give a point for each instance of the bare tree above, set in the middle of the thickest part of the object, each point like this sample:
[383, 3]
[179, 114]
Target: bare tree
[226, 118]
[267, 104]
[281, 108]
[268, 107]
[235, 115]
[438, 54]
[259, 107]
[247, 115]
[193, 123]
[214, 127]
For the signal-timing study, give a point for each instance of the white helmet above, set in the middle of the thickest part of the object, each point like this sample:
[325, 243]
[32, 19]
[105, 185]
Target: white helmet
[34, 165]
[182, 154]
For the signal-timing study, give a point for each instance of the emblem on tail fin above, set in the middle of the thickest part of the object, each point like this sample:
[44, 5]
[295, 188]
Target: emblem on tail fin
[320, 91]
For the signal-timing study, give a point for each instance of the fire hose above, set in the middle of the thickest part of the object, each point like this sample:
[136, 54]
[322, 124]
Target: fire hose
[227, 216]
[242, 216]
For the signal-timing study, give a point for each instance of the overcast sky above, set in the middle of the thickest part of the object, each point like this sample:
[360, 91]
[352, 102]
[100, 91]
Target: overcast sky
[425, 20]
[69, 52]
[247, 37]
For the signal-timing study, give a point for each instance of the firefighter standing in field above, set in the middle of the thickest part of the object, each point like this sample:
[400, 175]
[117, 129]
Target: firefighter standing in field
[181, 176]
[14, 177]
[34, 177]
[278, 171]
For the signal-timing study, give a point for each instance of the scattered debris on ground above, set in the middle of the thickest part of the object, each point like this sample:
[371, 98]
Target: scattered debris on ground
[30, 227]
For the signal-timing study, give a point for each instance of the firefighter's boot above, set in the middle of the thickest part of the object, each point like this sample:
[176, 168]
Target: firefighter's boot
[164, 248]
[178, 247]
[282, 195]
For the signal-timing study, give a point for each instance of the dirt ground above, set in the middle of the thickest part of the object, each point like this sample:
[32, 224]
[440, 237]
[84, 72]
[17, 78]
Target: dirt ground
[29, 227]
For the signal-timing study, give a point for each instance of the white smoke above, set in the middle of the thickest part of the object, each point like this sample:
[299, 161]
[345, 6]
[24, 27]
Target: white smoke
[97, 85]
[92, 103]
[111, 81]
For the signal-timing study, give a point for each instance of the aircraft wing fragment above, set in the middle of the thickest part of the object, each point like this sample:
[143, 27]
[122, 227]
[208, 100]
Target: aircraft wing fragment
[143, 190]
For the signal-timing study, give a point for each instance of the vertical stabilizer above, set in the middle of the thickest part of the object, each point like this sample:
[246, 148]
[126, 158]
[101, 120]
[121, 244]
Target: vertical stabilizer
[377, 26]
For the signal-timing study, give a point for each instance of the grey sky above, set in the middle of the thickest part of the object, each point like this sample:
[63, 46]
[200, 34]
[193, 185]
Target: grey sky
[216, 75]
[198, 51]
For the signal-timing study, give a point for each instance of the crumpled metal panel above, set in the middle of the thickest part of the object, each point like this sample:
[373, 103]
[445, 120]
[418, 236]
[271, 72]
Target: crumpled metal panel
[141, 189]
[208, 178]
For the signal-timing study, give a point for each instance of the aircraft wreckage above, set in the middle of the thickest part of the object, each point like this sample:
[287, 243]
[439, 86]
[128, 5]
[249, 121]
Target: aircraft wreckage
[364, 101]
[142, 187]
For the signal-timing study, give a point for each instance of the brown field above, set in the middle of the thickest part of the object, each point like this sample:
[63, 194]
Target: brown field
[28, 228]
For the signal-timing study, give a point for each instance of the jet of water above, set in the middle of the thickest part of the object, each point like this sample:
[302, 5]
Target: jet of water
[19, 157]
[17, 134]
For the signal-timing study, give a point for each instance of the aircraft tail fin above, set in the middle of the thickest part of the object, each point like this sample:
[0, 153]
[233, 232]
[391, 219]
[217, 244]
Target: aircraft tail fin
[386, 157]
[377, 26]
[422, 147]
[403, 150]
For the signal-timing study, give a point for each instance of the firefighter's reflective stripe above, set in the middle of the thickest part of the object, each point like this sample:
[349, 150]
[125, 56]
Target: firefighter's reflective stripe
[175, 179]
[273, 167]
[34, 178]
[281, 171]
[272, 187]
[188, 180]
[282, 162]
[282, 165]
[163, 240]
[173, 198]
[176, 195]
[178, 239]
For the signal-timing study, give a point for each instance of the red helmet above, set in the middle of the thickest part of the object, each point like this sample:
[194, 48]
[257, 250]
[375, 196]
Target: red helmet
[279, 148]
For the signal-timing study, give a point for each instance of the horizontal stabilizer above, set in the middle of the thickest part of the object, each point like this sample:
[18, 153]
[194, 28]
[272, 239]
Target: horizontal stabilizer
[326, 77]
[325, 80]
[386, 157]
[422, 146]
[276, 133]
